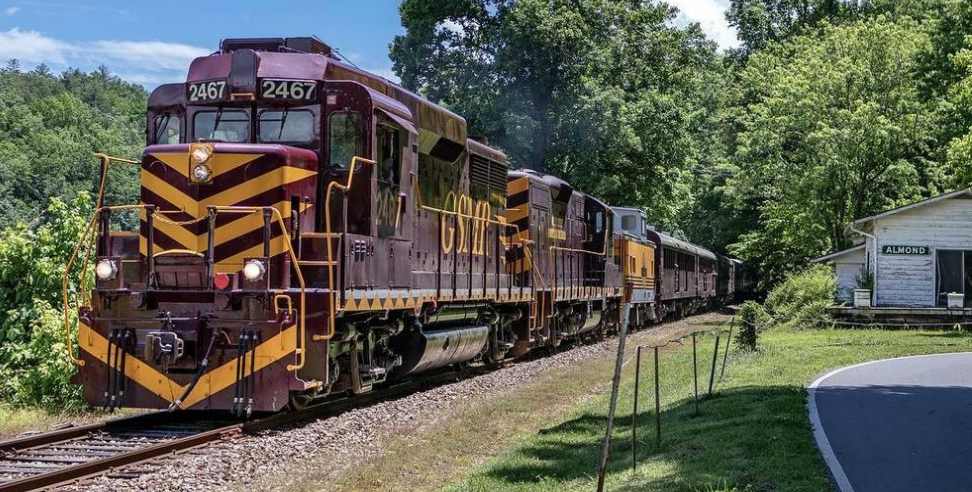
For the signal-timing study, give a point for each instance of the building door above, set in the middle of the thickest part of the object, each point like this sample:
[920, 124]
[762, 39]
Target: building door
[954, 273]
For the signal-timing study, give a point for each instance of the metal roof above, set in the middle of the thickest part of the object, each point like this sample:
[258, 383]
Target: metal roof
[672, 242]
[835, 254]
[922, 203]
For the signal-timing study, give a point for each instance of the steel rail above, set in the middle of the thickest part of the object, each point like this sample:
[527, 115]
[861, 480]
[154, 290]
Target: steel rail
[97, 467]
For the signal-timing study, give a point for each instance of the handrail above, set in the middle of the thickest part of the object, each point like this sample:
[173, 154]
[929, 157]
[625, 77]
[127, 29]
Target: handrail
[85, 239]
[106, 161]
[302, 326]
[332, 315]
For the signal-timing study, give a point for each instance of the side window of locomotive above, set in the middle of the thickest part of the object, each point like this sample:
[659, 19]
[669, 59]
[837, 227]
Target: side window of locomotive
[168, 128]
[389, 155]
[287, 126]
[222, 126]
[630, 224]
[343, 138]
[597, 226]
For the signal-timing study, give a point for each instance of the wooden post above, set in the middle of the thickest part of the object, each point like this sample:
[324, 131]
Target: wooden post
[615, 383]
[657, 404]
[695, 374]
[725, 357]
[634, 413]
[715, 358]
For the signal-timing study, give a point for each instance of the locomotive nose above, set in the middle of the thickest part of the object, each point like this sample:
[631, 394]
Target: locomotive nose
[218, 186]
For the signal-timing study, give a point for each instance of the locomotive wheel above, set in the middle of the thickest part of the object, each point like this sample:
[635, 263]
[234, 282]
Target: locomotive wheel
[300, 400]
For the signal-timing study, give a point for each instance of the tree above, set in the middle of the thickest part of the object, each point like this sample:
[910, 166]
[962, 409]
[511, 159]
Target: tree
[606, 93]
[760, 23]
[834, 128]
[50, 128]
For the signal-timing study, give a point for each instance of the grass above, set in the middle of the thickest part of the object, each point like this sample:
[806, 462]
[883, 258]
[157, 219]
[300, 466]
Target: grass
[448, 448]
[19, 420]
[753, 435]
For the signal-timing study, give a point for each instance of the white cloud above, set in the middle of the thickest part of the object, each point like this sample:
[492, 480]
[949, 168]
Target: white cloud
[33, 47]
[146, 62]
[148, 54]
[11, 10]
[711, 15]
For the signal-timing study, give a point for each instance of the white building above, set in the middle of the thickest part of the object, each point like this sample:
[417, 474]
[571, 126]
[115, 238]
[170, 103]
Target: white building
[849, 270]
[917, 253]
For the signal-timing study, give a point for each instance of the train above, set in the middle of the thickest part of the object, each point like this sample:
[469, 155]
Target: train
[307, 229]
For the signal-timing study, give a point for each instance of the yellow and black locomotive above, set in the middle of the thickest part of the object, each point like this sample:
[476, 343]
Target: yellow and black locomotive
[309, 229]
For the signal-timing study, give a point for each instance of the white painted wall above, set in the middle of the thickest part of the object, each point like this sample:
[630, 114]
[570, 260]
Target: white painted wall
[847, 268]
[910, 280]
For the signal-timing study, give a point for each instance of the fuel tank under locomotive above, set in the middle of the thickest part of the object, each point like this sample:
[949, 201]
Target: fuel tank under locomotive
[451, 335]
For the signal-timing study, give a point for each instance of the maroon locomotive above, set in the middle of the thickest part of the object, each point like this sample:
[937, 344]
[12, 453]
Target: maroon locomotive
[307, 229]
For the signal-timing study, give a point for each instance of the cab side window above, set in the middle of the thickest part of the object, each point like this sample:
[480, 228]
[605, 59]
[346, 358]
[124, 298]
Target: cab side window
[167, 129]
[389, 155]
[343, 138]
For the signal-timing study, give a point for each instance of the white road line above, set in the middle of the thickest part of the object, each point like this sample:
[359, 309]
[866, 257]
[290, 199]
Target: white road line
[843, 484]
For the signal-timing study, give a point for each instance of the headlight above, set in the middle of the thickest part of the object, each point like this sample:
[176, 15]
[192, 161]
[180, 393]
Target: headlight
[201, 173]
[254, 270]
[106, 270]
[200, 155]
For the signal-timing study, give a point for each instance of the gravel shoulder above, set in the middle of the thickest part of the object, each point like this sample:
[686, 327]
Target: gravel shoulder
[389, 445]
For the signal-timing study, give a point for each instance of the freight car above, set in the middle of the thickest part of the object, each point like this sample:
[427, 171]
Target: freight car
[309, 229]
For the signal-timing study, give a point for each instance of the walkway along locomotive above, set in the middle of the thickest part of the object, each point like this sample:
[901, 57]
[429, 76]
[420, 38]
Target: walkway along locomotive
[307, 229]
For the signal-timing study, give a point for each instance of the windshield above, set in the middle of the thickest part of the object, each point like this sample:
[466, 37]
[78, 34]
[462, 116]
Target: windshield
[223, 126]
[291, 126]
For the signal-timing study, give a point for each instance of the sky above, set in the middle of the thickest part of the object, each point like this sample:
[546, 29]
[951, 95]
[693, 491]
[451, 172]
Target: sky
[151, 43]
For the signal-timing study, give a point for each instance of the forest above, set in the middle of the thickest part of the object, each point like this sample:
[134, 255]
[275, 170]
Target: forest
[829, 110]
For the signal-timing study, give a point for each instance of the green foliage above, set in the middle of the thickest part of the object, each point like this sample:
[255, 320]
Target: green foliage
[607, 93]
[803, 298]
[834, 128]
[35, 370]
[752, 320]
[33, 366]
[50, 127]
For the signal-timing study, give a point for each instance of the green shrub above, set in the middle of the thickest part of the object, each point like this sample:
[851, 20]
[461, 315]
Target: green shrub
[752, 319]
[803, 298]
[34, 369]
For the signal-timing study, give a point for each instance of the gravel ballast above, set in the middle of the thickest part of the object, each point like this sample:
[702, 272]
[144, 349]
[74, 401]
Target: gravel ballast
[357, 435]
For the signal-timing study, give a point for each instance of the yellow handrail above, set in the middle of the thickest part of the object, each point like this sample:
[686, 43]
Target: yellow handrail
[302, 327]
[106, 161]
[331, 314]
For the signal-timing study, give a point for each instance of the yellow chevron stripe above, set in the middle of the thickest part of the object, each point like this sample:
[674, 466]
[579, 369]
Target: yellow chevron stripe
[274, 179]
[517, 185]
[220, 163]
[210, 383]
[224, 233]
[515, 214]
[235, 263]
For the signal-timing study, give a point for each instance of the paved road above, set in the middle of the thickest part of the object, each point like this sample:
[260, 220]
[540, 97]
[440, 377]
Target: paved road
[898, 424]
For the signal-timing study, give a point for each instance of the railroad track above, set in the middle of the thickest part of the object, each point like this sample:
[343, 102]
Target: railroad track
[126, 447]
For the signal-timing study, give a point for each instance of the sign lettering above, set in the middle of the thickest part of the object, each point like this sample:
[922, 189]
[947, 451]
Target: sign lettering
[897, 249]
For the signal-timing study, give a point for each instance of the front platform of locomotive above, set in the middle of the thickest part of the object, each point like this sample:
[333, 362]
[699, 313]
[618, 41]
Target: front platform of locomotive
[207, 306]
